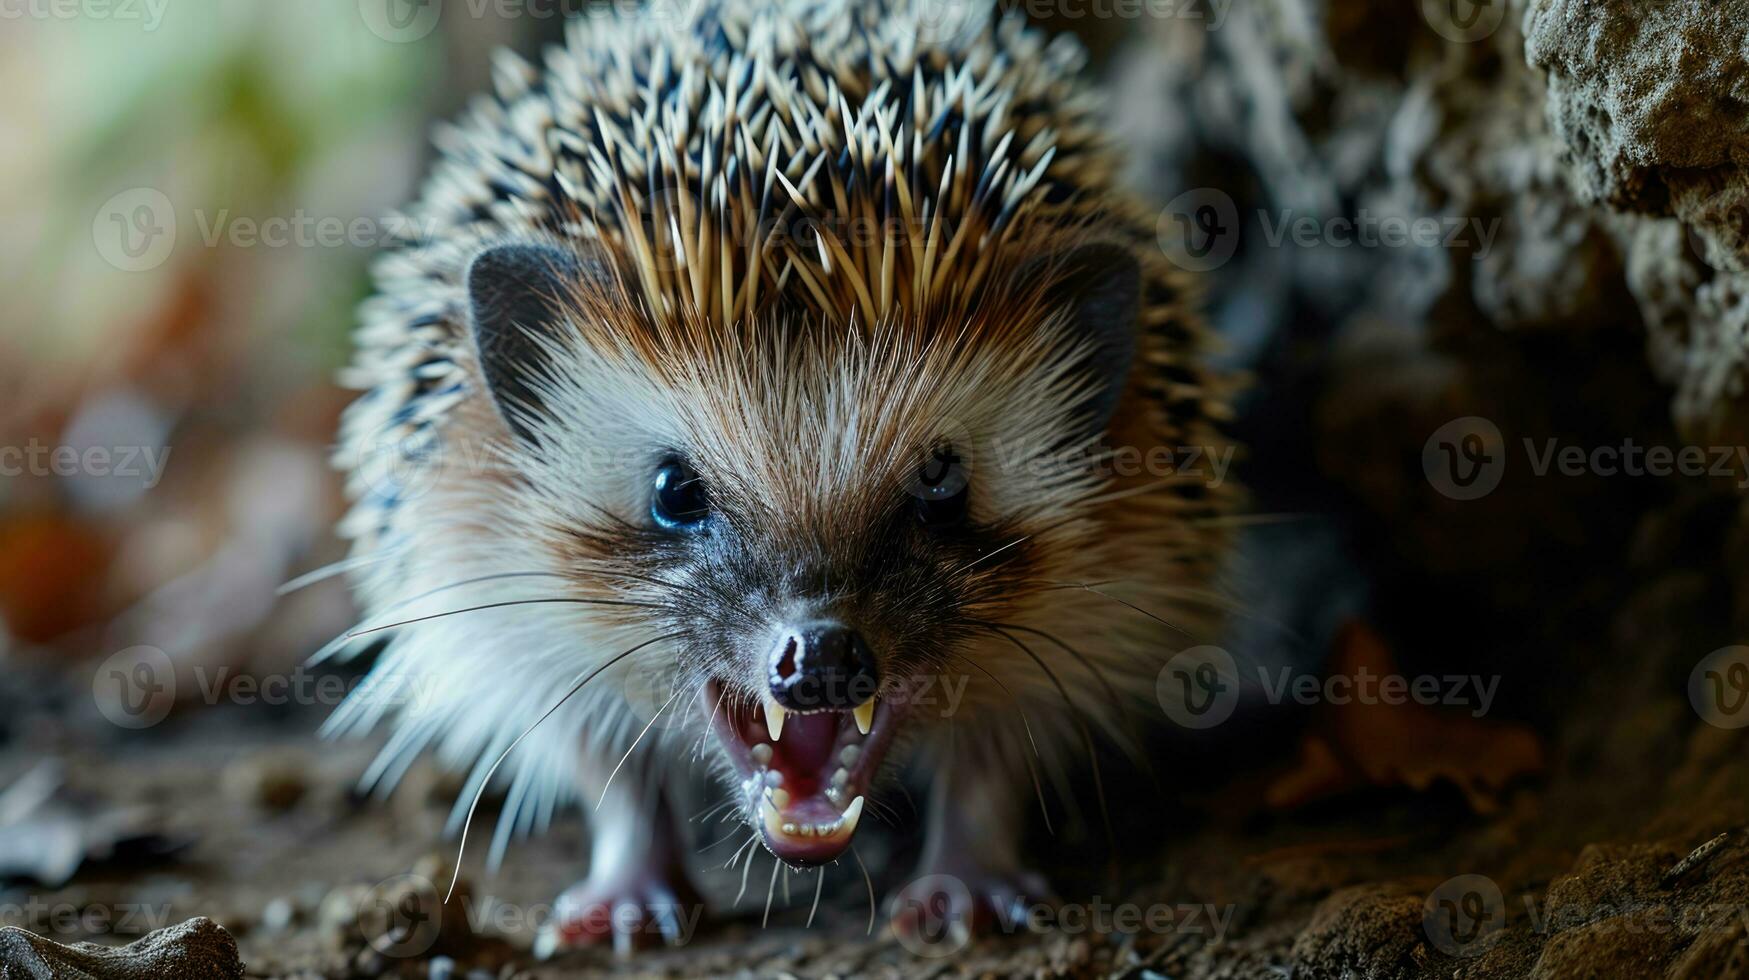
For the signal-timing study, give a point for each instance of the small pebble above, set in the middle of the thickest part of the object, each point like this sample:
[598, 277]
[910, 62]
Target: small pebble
[272, 780]
[278, 915]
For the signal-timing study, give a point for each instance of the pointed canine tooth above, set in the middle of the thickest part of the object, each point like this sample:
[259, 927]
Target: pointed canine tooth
[851, 815]
[864, 713]
[773, 718]
[769, 815]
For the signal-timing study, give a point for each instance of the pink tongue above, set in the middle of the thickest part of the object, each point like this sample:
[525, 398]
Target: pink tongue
[808, 741]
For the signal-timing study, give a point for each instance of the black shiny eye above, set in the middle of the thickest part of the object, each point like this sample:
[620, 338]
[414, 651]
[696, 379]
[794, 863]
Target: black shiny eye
[940, 489]
[680, 501]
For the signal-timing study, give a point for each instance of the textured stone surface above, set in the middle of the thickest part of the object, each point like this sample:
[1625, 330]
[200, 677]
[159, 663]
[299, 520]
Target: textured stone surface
[1650, 102]
[1578, 138]
[195, 950]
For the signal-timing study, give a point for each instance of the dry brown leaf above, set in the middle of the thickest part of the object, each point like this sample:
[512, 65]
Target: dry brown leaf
[1380, 744]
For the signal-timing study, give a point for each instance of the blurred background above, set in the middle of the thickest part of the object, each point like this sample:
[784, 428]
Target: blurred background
[190, 194]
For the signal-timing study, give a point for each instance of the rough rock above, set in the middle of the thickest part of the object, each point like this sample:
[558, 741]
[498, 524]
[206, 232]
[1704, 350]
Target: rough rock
[1596, 151]
[195, 950]
[1648, 100]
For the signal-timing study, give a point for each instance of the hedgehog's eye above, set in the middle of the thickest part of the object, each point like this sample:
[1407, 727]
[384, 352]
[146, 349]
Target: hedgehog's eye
[680, 501]
[940, 489]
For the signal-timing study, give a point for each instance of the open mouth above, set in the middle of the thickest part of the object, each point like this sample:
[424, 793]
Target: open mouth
[803, 774]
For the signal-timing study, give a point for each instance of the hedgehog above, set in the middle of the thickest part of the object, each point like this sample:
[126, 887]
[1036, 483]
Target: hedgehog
[750, 389]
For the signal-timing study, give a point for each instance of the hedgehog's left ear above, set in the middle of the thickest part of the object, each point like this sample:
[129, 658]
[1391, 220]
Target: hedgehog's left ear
[1099, 287]
[516, 301]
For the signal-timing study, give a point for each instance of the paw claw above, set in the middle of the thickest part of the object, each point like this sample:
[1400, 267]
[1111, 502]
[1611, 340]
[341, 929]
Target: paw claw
[634, 914]
[938, 914]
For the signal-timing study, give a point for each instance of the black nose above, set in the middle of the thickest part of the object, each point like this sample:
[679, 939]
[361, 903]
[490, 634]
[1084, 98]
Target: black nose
[820, 666]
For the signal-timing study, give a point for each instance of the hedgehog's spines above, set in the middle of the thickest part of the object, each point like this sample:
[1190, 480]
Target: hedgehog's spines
[690, 156]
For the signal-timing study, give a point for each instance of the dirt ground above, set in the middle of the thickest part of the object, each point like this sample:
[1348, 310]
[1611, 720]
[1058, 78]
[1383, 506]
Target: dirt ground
[1594, 824]
[1626, 858]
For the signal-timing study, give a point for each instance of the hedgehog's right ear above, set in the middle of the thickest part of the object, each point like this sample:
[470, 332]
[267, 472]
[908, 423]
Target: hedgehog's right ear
[516, 301]
[1098, 286]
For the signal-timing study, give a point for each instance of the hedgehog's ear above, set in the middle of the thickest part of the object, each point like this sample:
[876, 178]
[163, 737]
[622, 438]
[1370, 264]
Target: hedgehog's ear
[516, 301]
[1099, 287]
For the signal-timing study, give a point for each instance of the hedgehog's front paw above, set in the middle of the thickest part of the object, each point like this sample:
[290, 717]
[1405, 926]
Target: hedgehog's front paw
[939, 911]
[633, 909]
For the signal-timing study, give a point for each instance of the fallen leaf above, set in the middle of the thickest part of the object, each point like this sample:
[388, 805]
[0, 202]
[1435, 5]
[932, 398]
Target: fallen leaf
[1376, 743]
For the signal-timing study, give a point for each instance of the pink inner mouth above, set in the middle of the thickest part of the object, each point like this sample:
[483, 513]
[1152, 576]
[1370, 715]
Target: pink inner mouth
[803, 790]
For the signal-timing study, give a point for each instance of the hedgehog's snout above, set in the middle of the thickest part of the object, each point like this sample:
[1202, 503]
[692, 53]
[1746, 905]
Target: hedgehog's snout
[822, 666]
